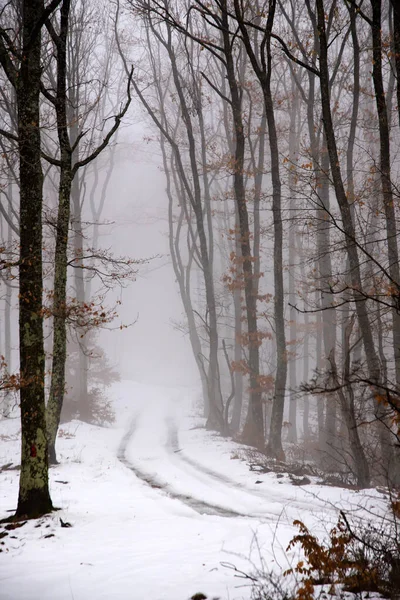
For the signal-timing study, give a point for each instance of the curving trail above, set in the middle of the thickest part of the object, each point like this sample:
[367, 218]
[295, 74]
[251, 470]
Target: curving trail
[157, 483]
[150, 449]
[273, 495]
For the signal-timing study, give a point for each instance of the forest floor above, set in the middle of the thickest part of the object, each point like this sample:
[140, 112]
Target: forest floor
[159, 508]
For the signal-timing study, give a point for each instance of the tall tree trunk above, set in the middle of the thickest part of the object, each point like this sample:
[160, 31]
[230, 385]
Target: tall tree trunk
[82, 392]
[385, 173]
[306, 400]
[292, 362]
[346, 399]
[328, 312]
[7, 307]
[34, 498]
[346, 396]
[237, 292]
[275, 448]
[262, 67]
[238, 350]
[238, 355]
[57, 386]
[258, 180]
[316, 160]
[210, 245]
[257, 165]
[327, 318]
[215, 419]
[81, 384]
[306, 342]
[253, 431]
[396, 44]
[183, 274]
[351, 248]
[293, 158]
[319, 363]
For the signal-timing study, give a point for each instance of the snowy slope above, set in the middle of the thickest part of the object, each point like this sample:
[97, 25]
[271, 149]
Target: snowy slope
[156, 506]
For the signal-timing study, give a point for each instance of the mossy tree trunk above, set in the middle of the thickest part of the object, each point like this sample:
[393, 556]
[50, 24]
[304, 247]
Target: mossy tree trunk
[34, 498]
[57, 386]
[69, 164]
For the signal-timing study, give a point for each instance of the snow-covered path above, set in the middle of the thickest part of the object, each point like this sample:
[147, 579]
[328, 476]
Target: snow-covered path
[151, 449]
[156, 506]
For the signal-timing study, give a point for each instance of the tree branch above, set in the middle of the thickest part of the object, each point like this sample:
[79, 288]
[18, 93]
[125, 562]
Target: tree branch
[118, 118]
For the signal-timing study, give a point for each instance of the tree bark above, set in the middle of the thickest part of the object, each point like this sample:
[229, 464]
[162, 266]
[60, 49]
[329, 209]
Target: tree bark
[319, 355]
[328, 312]
[57, 386]
[275, 448]
[351, 248]
[262, 67]
[183, 274]
[346, 398]
[82, 394]
[238, 355]
[237, 292]
[253, 431]
[396, 44]
[386, 183]
[294, 138]
[7, 306]
[34, 497]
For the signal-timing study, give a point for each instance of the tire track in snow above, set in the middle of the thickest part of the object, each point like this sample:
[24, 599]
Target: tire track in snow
[278, 503]
[173, 447]
[156, 483]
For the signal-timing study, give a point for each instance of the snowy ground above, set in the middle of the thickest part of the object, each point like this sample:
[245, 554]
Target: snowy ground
[158, 507]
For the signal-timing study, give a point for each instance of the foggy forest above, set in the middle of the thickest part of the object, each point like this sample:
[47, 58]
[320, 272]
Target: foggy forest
[199, 299]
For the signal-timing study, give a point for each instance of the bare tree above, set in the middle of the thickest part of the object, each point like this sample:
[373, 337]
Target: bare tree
[34, 498]
[68, 170]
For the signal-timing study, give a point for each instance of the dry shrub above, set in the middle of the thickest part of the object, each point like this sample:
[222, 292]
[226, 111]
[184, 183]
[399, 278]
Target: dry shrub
[361, 557]
[357, 557]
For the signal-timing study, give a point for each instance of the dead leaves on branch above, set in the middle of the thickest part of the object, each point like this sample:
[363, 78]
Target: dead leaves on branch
[357, 557]
[9, 382]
